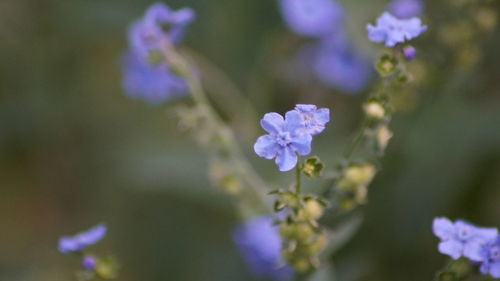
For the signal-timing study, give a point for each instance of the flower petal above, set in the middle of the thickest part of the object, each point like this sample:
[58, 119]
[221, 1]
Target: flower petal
[293, 121]
[266, 147]
[452, 248]
[322, 116]
[443, 228]
[286, 159]
[302, 144]
[272, 122]
[474, 249]
[495, 269]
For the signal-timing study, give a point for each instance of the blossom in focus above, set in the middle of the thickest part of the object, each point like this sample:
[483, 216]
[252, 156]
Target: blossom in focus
[338, 64]
[462, 239]
[404, 9]
[259, 243]
[313, 119]
[82, 240]
[285, 139]
[154, 83]
[490, 254]
[392, 30]
[314, 18]
[160, 24]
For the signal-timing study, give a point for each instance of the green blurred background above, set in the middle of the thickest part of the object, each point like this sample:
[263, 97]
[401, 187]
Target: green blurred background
[75, 151]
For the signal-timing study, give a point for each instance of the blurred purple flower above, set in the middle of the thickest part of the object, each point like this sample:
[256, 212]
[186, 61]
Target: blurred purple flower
[392, 30]
[160, 24]
[409, 52]
[89, 262]
[491, 258]
[404, 9]
[284, 140]
[338, 64]
[461, 238]
[315, 18]
[259, 243]
[153, 83]
[313, 119]
[82, 240]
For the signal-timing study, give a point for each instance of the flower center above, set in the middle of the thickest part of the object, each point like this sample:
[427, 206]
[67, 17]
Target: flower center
[283, 138]
[495, 252]
[464, 233]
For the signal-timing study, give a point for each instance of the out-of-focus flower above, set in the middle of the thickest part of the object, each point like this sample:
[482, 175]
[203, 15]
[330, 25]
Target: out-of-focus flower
[314, 18]
[82, 240]
[89, 262]
[259, 243]
[409, 52]
[490, 254]
[338, 64]
[374, 110]
[160, 24]
[313, 119]
[404, 9]
[284, 140]
[461, 238]
[154, 83]
[392, 30]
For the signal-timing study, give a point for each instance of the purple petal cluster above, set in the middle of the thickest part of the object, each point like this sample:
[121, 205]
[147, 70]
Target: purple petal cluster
[290, 136]
[404, 9]
[82, 240]
[142, 78]
[478, 244]
[154, 83]
[490, 257]
[159, 25]
[338, 64]
[332, 59]
[312, 18]
[392, 30]
[259, 243]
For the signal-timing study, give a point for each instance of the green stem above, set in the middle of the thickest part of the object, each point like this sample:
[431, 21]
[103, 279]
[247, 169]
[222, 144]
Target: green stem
[236, 156]
[298, 173]
[357, 140]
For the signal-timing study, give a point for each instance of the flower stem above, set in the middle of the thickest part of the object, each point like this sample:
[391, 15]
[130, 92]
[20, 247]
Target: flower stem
[245, 171]
[298, 173]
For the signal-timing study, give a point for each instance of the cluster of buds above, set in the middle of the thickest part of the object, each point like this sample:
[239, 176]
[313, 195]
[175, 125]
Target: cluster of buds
[352, 186]
[302, 236]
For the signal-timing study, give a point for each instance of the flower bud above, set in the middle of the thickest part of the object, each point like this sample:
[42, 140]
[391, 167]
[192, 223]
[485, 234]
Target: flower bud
[360, 174]
[88, 262]
[383, 136]
[313, 209]
[374, 110]
[409, 52]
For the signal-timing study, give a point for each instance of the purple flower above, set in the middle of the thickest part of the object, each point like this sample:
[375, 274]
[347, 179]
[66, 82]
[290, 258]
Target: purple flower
[462, 239]
[82, 240]
[491, 258]
[153, 83]
[284, 140]
[314, 18]
[409, 52]
[313, 119]
[160, 24]
[89, 262]
[392, 30]
[404, 9]
[259, 243]
[338, 64]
